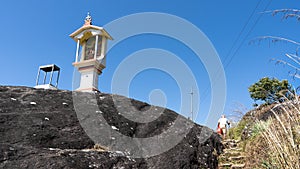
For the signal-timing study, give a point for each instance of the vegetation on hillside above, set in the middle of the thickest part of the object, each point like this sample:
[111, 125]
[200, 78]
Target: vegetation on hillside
[271, 132]
[275, 142]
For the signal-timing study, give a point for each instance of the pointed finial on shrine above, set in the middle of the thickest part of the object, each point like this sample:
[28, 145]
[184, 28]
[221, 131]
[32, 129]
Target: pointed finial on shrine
[88, 19]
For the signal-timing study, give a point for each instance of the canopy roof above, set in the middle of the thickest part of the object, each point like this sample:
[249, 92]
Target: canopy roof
[49, 68]
[88, 27]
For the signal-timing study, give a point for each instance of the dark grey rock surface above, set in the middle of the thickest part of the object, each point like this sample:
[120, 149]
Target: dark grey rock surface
[40, 129]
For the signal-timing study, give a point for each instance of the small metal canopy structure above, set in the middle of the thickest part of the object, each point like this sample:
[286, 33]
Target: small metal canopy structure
[46, 69]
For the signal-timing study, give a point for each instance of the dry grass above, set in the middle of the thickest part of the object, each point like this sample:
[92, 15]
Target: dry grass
[281, 136]
[99, 147]
[256, 153]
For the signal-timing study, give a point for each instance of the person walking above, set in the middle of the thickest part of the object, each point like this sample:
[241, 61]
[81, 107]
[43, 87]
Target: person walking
[223, 123]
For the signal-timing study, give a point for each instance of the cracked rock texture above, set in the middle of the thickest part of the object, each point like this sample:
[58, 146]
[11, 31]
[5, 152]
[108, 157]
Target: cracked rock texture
[41, 129]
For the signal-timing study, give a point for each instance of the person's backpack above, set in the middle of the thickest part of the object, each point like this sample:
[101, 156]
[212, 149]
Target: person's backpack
[219, 130]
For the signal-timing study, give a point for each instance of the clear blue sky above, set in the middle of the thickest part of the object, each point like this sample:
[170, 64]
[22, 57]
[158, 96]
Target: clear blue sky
[35, 33]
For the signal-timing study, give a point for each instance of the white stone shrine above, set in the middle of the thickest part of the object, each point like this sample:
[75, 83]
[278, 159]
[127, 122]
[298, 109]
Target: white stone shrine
[90, 57]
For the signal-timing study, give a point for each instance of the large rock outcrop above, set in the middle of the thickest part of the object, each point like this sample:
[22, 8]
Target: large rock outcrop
[40, 129]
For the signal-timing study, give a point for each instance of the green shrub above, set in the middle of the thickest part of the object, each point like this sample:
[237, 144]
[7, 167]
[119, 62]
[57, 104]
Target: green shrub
[236, 132]
[260, 126]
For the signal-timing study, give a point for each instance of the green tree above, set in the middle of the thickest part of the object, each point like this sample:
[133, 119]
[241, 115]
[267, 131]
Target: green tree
[270, 90]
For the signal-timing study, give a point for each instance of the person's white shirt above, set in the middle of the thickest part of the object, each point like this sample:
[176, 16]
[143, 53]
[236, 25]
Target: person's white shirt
[223, 121]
